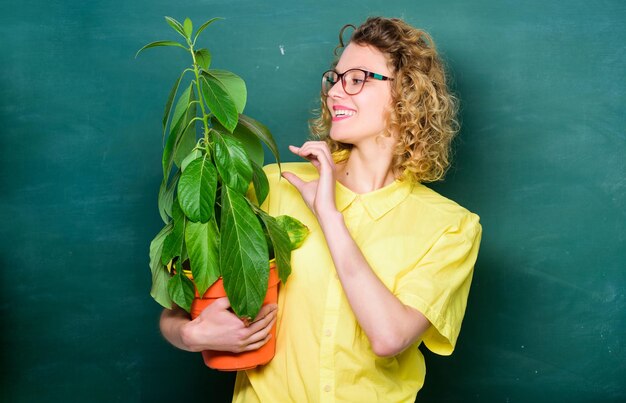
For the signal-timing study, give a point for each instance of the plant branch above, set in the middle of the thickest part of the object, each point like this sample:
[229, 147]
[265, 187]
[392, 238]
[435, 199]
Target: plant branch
[205, 119]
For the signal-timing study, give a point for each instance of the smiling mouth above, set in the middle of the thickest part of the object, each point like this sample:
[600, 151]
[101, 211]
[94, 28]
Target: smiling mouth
[339, 113]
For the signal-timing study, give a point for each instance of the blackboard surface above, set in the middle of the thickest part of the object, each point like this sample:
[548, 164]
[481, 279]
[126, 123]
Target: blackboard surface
[541, 158]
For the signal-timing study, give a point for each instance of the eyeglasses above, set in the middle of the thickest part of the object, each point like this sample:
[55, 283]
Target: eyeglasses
[352, 80]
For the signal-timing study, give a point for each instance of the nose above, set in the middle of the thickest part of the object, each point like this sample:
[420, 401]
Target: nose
[337, 91]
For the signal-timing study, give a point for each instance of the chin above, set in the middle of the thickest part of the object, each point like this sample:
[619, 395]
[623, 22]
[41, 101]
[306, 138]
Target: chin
[338, 137]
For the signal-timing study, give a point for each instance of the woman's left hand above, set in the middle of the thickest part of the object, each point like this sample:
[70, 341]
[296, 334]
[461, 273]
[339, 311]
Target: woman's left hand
[319, 194]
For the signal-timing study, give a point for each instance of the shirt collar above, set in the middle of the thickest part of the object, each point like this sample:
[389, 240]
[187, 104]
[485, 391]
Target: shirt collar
[378, 202]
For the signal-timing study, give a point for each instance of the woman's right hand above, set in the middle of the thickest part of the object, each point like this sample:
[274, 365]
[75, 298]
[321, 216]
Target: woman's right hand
[217, 328]
[318, 194]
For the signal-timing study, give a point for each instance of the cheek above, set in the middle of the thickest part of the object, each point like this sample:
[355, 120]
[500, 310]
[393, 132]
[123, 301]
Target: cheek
[388, 111]
[387, 114]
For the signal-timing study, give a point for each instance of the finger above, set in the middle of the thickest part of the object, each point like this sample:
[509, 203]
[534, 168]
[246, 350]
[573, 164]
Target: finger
[320, 157]
[316, 149]
[310, 154]
[261, 334]
[294, 180]
[307, 155]
[262, 324]
[259, 344]
[211, 309]
[222, 303]
[296, 149]
[323, 155]
[303, 149]
[327, 169]
[299, 151]
[319, 146]
[308, 149]
[265, 310]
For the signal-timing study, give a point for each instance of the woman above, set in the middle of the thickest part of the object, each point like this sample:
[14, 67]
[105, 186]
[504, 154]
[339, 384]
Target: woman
[388, 262]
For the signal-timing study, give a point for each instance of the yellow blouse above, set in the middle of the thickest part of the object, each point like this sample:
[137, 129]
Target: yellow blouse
[421, 245]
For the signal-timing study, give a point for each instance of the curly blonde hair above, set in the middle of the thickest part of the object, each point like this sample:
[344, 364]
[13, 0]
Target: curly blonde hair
[424, 115]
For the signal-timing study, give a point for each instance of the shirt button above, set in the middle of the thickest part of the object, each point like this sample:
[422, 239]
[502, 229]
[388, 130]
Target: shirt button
[327, 388]
[328, 333]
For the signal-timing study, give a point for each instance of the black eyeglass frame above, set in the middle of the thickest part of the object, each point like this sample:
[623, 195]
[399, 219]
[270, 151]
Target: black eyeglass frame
[340, 77]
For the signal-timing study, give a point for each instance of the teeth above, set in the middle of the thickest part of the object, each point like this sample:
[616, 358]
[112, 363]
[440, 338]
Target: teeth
[342, 112]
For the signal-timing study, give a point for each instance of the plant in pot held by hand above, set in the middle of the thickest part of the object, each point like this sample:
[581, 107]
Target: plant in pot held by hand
[214, 229]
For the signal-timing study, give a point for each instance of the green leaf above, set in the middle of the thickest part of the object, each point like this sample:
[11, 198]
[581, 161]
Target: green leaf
[177, 26]
[243, 255]
[219, 102]
[184, 256]
[281, 244]
[179, 118]
[196, 189]
[160, 275]
[194, 154]
[295, 229]
[181, 106]
[166, 197]
[160, 43]
[203, 58]
[261, 185]
[259, 130]
[234, 86]
[203, 26]
[186, 136]
[169, 150]
[232, 163]
[170, 100]
[188, 27]
[202, 240]
[181, 290]
[250, 143]
[173, 244]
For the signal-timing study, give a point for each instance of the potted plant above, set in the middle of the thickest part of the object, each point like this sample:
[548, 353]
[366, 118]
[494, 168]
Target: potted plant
[213, 184]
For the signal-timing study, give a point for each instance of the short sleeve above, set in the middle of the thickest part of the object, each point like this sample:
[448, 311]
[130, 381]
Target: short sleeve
[438, 285]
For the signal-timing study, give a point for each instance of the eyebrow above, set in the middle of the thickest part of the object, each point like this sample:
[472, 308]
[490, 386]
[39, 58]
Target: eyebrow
[355, 67]
[362, 67]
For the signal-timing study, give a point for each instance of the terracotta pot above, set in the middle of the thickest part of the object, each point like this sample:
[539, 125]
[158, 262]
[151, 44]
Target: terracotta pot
[226, 361]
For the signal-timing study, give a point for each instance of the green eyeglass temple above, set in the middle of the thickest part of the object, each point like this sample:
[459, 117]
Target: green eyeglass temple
[378, 76]
[326, 79]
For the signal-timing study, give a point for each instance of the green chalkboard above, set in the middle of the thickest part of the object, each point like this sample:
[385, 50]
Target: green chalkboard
[541, 158]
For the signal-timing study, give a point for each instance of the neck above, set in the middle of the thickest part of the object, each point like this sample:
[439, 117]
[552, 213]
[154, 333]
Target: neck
[368, 168]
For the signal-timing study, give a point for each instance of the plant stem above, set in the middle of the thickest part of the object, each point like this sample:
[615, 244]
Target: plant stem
[198, 89]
